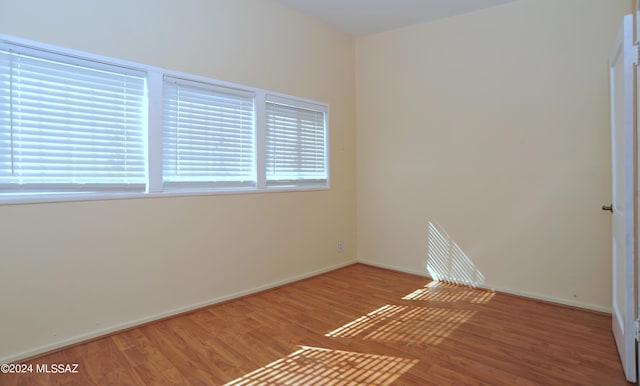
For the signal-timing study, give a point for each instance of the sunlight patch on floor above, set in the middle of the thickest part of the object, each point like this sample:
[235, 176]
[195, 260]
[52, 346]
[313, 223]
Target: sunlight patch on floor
[439, 291]
[315, 366]
[405, 324]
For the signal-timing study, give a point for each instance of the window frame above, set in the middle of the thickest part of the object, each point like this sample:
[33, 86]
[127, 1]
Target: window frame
[302, 104]
[153, 130]
[51, 71]
[211, 89]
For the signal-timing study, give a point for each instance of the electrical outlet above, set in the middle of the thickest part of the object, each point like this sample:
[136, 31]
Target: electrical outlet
[340, 246]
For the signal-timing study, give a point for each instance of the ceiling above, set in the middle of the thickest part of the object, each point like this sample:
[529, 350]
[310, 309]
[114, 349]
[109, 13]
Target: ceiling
[365, 17]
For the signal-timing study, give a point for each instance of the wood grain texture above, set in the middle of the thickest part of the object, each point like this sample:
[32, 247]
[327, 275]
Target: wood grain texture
[359, 325]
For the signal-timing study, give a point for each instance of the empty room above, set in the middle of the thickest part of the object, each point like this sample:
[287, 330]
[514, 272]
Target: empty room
[291, 192]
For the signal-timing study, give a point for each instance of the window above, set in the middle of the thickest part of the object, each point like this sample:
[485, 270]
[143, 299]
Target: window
[208, 135]
[75, 126]
[69, 124]
[296, 143]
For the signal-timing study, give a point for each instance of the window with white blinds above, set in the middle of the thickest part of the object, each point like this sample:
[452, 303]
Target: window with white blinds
[208, 135]
[68, 124]
[76, 126]
[296, 143]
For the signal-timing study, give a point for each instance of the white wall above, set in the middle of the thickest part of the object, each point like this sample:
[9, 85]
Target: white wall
[493, 127]
[69, 271]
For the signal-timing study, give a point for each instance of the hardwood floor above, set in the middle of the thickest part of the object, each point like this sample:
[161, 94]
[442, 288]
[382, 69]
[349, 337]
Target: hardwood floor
[359, 325]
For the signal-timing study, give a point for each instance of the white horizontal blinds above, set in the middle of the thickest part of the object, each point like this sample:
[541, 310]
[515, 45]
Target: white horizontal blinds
[296, 143]
[208, 135]
[5, 115]
[70, 124]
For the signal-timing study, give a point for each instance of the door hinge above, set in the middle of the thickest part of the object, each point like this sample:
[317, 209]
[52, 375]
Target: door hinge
[637, 327]
[636, 54]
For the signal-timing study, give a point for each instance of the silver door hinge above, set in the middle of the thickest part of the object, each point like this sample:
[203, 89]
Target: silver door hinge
[637, 326]
[636, 54]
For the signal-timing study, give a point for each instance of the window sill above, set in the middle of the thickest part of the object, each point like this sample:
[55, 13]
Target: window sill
[54, 197]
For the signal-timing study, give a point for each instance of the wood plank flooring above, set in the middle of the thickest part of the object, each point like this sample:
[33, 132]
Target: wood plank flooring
[359, 325]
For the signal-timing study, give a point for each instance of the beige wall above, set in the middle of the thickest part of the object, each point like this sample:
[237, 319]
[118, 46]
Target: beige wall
[493, 127]
[69, 271]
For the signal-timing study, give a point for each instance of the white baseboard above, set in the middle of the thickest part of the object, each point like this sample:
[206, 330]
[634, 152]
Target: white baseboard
[151, 318]
[534, 296]
[395, 268]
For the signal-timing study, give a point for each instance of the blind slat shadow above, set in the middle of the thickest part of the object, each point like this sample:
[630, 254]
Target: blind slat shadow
[405, 325]
[314, 366]
[447, 262]
[439, 291]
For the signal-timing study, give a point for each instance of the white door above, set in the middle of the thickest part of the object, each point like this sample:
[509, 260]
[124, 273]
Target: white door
[622, 220]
